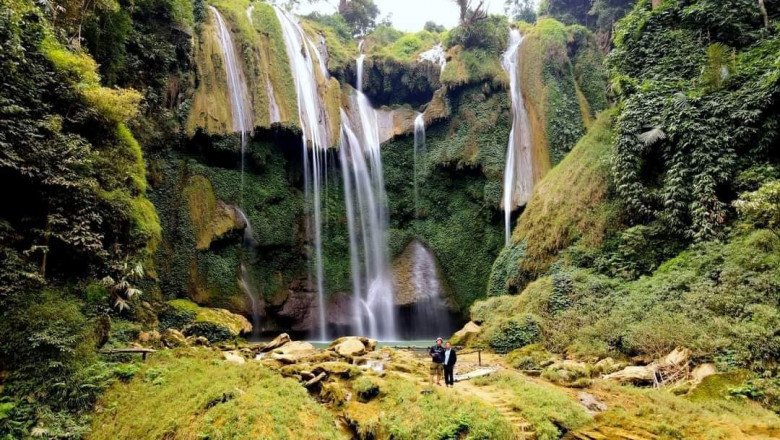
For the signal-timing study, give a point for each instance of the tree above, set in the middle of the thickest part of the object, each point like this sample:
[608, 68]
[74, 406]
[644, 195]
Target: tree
[470, 14]
[520, 10]
[431, 26]
[359, 14]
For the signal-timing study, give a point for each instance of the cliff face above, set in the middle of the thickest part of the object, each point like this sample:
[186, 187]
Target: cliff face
[463, 96]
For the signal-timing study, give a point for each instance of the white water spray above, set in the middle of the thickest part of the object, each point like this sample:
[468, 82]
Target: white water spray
[313, 119]
[518, 169]
[419, 155]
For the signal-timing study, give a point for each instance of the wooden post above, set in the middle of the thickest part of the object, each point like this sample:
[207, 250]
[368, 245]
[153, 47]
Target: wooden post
[479, 357]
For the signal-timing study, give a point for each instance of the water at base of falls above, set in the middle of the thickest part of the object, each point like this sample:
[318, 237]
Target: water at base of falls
[429, 316]
[518, 168]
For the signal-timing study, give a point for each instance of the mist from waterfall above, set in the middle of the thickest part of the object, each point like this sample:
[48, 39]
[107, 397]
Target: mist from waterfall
[373, 304]
[313, 120]
[419, 154]
[518, 168]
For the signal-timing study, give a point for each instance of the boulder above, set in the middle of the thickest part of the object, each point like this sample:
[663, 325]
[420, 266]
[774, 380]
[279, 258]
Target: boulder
[349, 346]
[340, 369]
[637, 375]
[233, 357]
[591, 402]
[236, 324]
[701, 371]
[468, 331]
[293, 351]
[197, 341]
[151, 337]
[608, 365]
[173, 338]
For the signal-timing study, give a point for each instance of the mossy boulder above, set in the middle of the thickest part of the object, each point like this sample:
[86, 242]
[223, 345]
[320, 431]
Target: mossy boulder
[233, 323]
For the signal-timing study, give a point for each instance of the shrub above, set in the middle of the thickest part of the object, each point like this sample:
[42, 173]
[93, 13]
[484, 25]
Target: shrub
[530, 357]
[515, 332]
[175, 317]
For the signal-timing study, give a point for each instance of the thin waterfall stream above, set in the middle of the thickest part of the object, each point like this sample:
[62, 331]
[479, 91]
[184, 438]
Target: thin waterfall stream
[518, 168]
[242, 115]
[419, 155]
[313, 120]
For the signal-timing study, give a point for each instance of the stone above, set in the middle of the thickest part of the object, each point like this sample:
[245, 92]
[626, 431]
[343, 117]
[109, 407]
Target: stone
[591, 402]
[608, 365]
[198, 341]
[172, 338]
[293, 351]
[470, 330]
[701, 371]
[150, 337]
[637, 375]
[340, 369]
[276, 342]
[233, 357]
[350, 346]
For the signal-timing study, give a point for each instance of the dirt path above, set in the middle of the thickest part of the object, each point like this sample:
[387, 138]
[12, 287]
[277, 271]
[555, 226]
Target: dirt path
[500, 401]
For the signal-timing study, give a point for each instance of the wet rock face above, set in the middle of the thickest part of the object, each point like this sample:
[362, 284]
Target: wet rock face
[300, 311]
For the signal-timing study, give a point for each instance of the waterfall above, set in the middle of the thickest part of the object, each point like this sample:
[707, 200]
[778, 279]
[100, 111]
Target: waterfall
[313, 120]
[435, 55]
[373, 303]
[238, 95]
[419, 153]
[244, 280]
[429, 311]
[518, 169]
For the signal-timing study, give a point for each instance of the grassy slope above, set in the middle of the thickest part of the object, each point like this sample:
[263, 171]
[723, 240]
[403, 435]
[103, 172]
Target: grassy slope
[567, 206]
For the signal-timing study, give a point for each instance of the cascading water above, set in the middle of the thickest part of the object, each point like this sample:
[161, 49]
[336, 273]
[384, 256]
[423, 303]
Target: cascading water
[419, 154]
[518, 170]
[238, 94]
[366, 204]
[435, 55]
[313, 119]
[241, 112]
[430, 315]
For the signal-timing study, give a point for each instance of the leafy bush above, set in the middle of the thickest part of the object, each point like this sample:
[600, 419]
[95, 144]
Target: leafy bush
[175, 317]
[515, 332]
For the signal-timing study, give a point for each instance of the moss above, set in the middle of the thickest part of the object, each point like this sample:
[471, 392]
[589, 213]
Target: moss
[194, 394]
[457, 198]
[209, 219]
[471, 66]
[234, 323]
[569, 205]
[341, 51]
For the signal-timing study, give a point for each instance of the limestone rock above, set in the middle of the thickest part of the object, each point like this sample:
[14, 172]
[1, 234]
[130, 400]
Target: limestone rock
[233, 357]
[701, 371]
[340, 369]
[198, 341]
[470, 330]
[293, 351]
[150, 337]
[350, 347]
[677, 358]
[173, 338]
[591, 402]
[637, 375]
[608, 365]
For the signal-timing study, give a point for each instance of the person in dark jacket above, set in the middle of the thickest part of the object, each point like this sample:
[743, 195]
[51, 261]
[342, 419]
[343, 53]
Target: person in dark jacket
[437, 361]
[450, 357]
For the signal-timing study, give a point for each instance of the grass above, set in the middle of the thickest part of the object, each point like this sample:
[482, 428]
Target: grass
[545, 406]
[651, 412]
[402, 412]
[570, 203]
[193, 394]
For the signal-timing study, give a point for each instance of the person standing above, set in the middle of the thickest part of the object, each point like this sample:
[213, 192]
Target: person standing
[450, 357]
[437, 360]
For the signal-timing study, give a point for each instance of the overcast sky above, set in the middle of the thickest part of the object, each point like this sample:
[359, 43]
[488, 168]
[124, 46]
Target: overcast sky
[409, 15]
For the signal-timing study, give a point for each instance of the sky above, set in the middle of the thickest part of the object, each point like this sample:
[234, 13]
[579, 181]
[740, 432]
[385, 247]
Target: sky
[409, 15]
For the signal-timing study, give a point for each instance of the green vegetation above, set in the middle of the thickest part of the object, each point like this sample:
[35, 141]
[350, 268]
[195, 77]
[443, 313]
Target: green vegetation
[194, 394]
[408, 414]
[552, 412]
